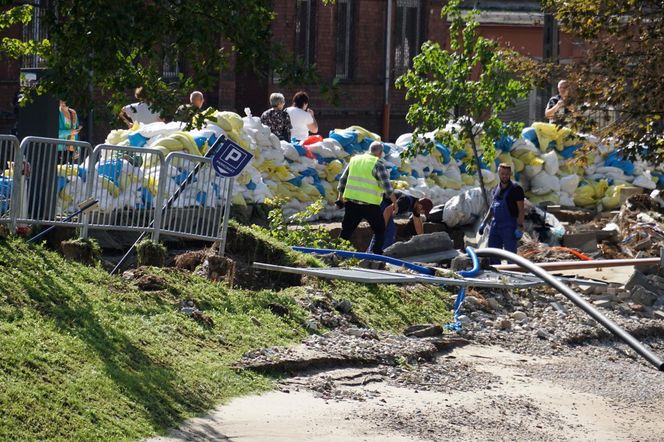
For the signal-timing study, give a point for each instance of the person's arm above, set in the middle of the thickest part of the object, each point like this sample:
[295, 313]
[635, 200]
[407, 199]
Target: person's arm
[313, 126]
[288, 126]
[380, 173]
[521, 214]
[417, 223]
[124, 117]
[551, 111]
[342, 183]
[388, 213]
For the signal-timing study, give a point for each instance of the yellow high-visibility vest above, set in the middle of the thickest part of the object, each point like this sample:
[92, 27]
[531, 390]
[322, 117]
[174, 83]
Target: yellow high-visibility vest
[361, 184]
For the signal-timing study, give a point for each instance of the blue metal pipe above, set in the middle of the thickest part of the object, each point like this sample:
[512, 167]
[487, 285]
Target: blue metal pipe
[368, 256]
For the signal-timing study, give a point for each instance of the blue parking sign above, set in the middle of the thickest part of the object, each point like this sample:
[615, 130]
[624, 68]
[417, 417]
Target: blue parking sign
[230, 159]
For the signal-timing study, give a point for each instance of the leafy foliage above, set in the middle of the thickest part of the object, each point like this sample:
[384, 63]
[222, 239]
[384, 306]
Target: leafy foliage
[98, 50]
[473, 78]
[621, 68]
[297, 231]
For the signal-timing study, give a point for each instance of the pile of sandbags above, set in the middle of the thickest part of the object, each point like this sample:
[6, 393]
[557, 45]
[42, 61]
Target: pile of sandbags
[542, 160]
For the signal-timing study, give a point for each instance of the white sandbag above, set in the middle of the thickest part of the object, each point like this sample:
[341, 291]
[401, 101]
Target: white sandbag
[645, 181]
[404, 139]
[289, 151]
[464, 209]
[566, 199]
[543, 183]
[274, 141]
[531, 170]
[569, 183]
[523, 144]
[551, 164]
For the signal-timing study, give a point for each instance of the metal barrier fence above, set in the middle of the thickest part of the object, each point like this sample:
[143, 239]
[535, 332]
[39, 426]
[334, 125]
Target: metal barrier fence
[8, 148]
[131, 184]
[54, 184]
[199, 209]
[125, 181]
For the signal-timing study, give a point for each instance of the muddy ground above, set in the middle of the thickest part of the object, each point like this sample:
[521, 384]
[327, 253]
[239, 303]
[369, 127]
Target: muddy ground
[526, 366]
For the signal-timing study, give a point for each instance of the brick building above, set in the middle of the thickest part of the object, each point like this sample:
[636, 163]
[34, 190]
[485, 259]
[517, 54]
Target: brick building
[349, 41]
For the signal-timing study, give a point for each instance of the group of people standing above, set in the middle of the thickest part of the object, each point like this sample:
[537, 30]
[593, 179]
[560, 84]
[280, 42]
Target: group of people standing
[294, 122]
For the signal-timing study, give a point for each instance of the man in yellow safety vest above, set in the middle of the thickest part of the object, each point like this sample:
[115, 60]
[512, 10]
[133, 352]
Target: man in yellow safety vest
[361, 189]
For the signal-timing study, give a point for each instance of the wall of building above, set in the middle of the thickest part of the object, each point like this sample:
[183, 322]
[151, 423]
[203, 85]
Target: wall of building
[361, 96]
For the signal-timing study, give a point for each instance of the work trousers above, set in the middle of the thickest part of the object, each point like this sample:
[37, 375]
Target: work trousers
[355, 213]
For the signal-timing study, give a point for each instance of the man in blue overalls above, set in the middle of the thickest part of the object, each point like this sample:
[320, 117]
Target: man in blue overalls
[506, 214]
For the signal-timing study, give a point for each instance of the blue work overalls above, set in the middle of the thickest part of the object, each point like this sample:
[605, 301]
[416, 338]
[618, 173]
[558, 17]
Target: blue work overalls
[503, 224]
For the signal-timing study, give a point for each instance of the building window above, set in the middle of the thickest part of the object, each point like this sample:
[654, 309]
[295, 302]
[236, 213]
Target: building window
[36, 30]
[407, 33]
[305, 35]
[344, 26]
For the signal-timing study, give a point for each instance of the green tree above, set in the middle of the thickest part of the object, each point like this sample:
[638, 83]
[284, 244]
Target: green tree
[473, 79]
[97, 50]
[621, 68]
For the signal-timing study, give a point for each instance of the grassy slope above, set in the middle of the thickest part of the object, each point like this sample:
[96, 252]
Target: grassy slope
[87, 356]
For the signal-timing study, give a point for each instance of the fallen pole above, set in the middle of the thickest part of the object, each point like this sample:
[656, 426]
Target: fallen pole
[578, 301]
[573, 265]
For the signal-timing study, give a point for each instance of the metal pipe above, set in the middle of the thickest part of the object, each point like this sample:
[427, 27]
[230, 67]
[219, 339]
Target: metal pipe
[594, 264]
[579, 302]
[368, 256]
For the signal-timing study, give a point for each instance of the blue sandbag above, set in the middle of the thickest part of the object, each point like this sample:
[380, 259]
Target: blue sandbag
[568, 152]
[309, 171]
[460, 155]
[201, 196]
[444, 152]
[147, 198]
[530, 134]
[200, 141]
[297, 181]
[62, 182]
[394, 173]
[344, 138]
[320, 188]
[300, 150]
[505, 143]
[137, 140]
[612, 160]
[251, 185]
[182, 176]
[415, 174]
[112, 170]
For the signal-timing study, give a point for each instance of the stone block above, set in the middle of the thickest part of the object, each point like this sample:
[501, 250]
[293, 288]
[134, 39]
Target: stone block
[584, 241]
[642, 295]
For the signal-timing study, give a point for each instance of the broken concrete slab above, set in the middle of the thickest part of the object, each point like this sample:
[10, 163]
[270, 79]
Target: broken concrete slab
[421, 245]
[584, 241]
[642, 295]
[653, 283]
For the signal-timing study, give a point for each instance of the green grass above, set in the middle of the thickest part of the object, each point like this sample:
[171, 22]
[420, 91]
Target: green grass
[88, 356]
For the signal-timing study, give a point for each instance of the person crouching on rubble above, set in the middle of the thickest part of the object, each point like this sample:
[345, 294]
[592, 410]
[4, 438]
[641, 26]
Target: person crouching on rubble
[405, 204]
[361, 189]
[506, 214]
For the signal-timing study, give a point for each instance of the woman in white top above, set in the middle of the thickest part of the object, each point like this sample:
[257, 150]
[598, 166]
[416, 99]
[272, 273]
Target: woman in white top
[302, 118]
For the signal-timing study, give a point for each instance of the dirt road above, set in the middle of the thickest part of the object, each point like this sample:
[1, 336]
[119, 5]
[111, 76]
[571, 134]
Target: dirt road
[471, 393]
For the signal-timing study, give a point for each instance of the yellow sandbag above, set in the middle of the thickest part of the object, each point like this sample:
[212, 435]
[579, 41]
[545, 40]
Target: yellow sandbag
[468, 180]
[238, 200]
[109, 186]
[231, 118]
[518, 165]
[551, 197]
[448, 183]
[547, 132]
[400, 184]
[611, 198]
[67, 170]
[506, 158]
[362, 133]
[238, 138]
